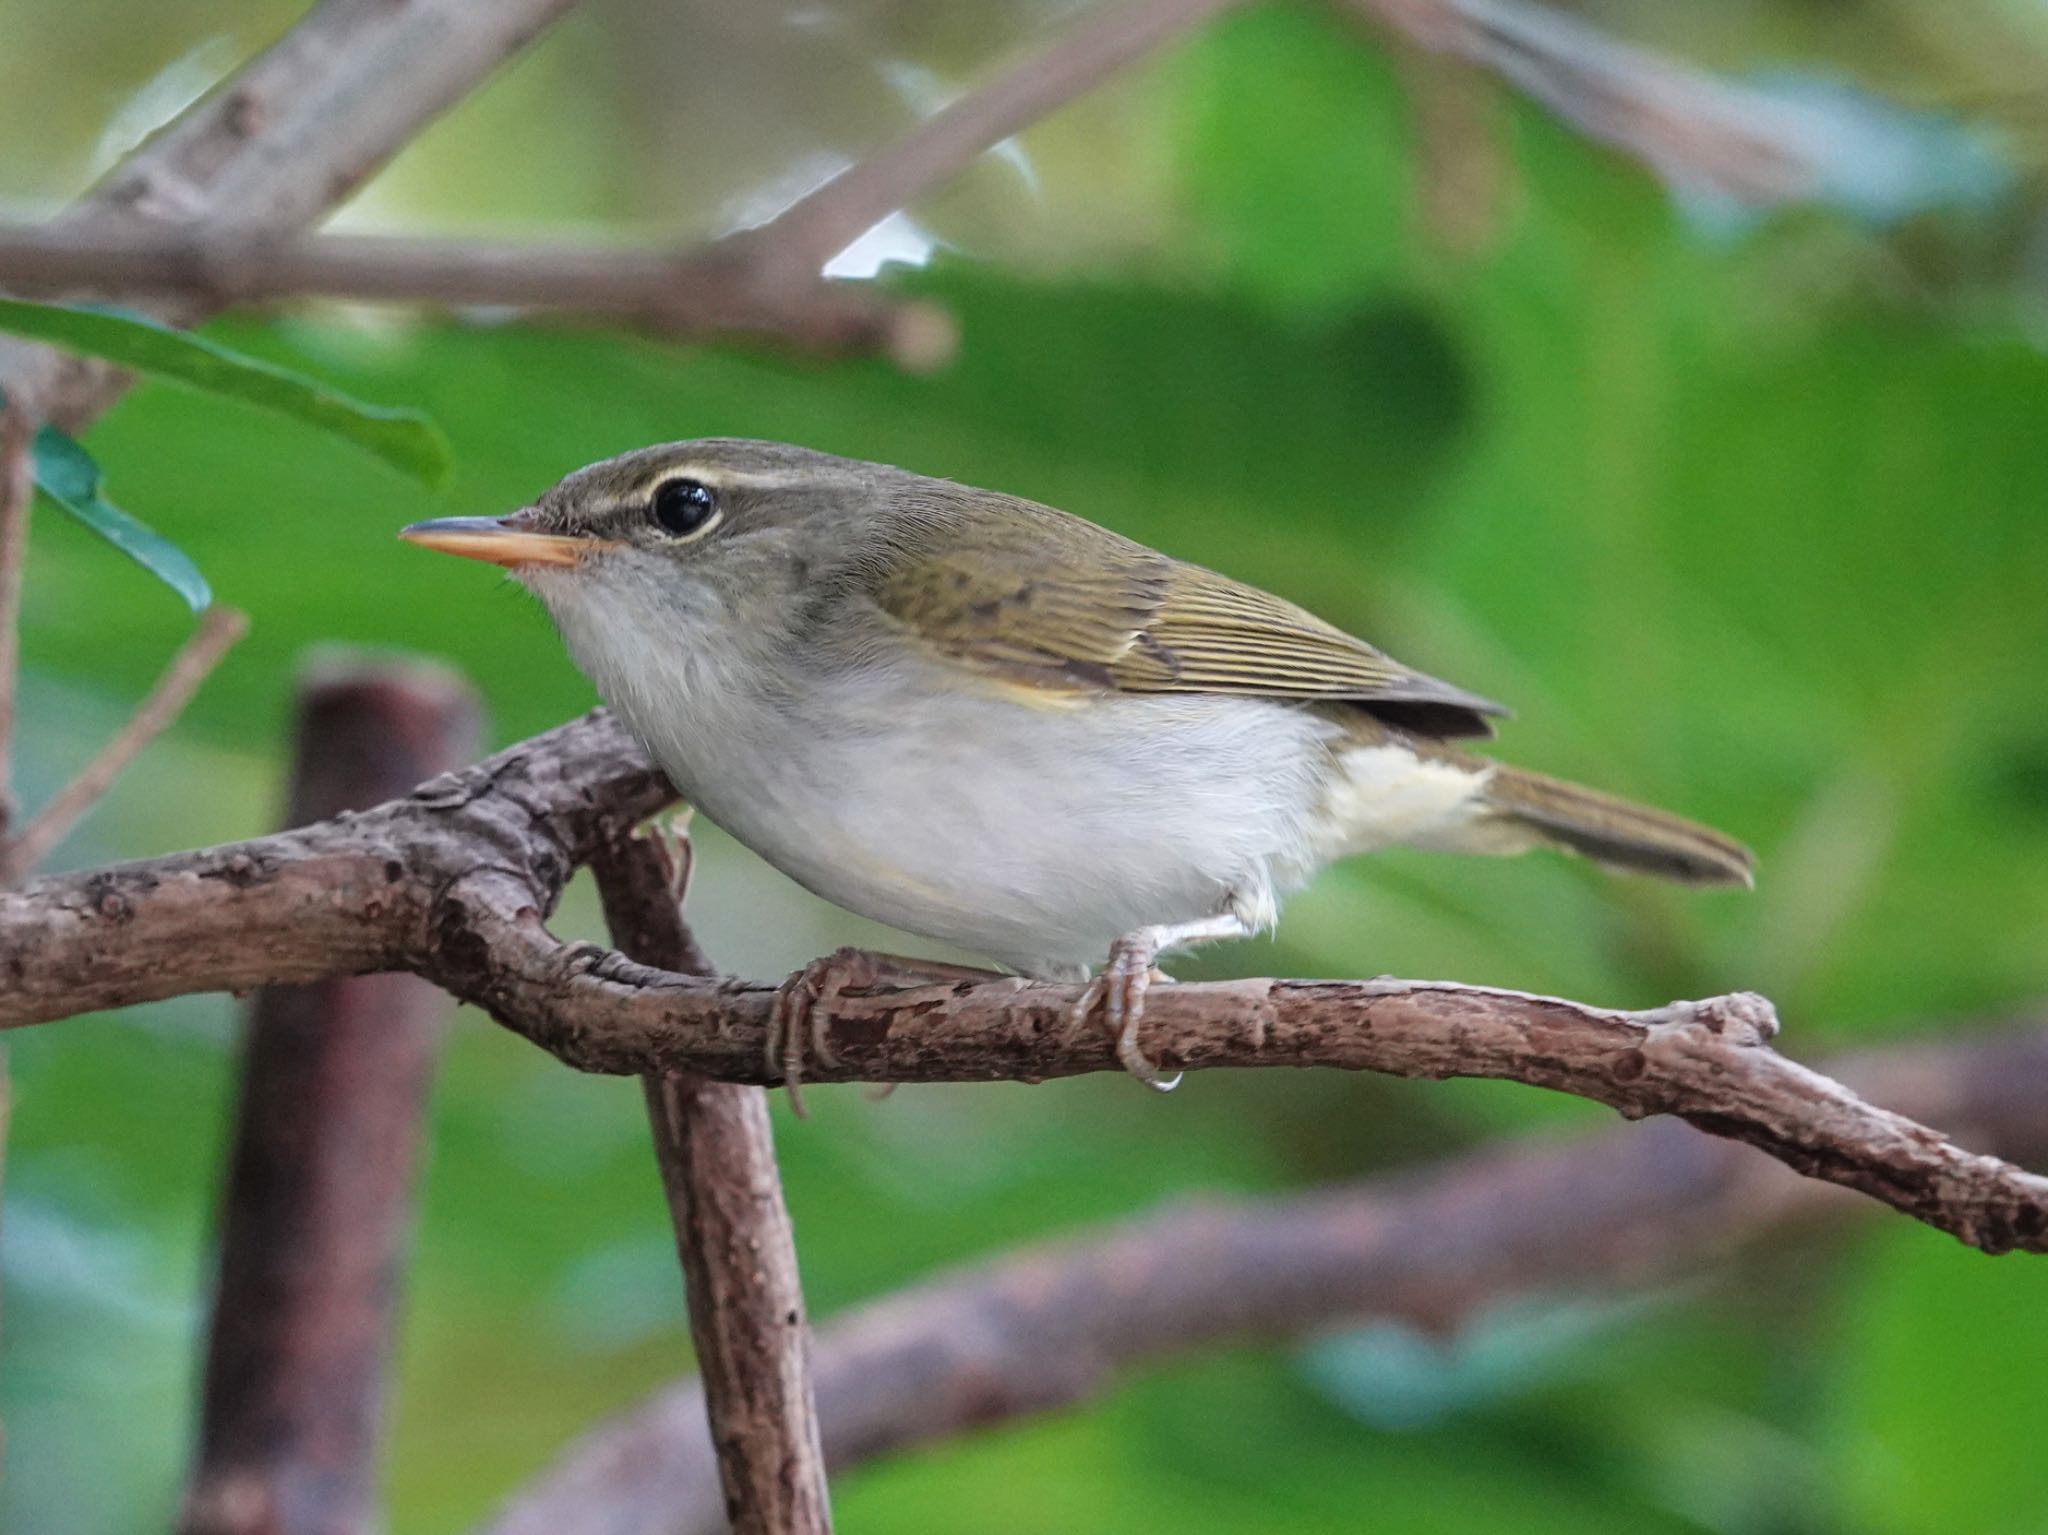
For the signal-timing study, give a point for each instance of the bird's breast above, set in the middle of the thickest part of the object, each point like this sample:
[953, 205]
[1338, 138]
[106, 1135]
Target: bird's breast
[1029, 835]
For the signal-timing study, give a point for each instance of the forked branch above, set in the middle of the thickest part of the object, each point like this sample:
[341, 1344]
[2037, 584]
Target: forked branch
[716, 1151]
[212, 213]
[455, 881]
[159, 231]
[1032, 1331]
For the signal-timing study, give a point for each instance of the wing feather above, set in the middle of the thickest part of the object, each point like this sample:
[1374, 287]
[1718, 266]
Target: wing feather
[1029, 595]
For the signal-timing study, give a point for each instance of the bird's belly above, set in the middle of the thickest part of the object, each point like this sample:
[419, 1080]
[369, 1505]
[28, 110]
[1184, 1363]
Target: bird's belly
[1031, 836]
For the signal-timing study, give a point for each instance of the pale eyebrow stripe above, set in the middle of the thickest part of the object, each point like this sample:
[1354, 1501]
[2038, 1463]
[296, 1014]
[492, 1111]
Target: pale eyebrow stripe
[725, 479]
[717, 479]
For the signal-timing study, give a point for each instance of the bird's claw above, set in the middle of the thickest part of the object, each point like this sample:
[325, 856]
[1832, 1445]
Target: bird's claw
[799, 1025]
[1119, 992]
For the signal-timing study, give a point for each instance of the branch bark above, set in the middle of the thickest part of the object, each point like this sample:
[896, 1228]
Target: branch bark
[316, 1210]
[1040, 1329]
[339, 897]
[716, 1150]
[676, 294]
[454, 883]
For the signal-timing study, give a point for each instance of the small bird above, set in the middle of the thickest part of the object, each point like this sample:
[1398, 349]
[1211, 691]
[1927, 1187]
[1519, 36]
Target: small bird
[985, 721]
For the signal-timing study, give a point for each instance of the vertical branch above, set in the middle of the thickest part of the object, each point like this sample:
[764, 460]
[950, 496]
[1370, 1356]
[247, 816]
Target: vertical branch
[717, 1158]
[317, 1212]
[17, 489]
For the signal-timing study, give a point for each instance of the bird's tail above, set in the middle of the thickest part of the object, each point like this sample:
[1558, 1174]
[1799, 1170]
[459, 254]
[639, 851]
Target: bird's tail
[1611, 831]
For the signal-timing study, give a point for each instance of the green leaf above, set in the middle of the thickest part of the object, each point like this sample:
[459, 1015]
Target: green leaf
[405, 439]
[69, 476]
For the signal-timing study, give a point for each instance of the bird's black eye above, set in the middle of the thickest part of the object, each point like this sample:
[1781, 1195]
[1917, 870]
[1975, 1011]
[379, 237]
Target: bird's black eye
[684, 508]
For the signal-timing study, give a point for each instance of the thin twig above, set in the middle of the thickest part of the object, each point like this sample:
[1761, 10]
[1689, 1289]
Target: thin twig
[17, 492]
[1031, 1331]
[815, 228]
[716, 1151]
[317, 1204]
[454, 883]
[196, 658]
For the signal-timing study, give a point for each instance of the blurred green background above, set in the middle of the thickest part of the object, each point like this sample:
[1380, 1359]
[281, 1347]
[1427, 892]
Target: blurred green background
[1744, 517]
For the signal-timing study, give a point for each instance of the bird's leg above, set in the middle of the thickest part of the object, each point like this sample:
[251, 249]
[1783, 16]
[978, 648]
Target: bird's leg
[1119, 989]
[798, 1024]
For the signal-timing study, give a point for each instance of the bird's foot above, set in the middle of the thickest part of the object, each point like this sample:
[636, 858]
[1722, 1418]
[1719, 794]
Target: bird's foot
[1119, 992]
[799, 1026]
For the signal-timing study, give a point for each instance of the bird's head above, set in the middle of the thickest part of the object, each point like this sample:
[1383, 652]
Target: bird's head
[667, 538]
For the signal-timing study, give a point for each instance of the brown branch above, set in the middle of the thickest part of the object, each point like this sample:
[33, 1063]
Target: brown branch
[17, 492]
[819, 225]
[284, 141]
[206, 215]
[335, 898]
[763, 283]
[713, 291]
[454, 883]
[1708, 1062]
[192, 665]
[716, 1151]
[1690, 127]
[316, 1211]
[1036, 1330]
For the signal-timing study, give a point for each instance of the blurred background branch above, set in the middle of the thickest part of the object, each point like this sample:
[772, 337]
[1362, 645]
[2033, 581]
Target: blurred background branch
[761, 283]
[271, 150]
[1107, 38]
[1692, 129]
[317, 1197]
[1434, 1248]
[689, 295]
[278, 146]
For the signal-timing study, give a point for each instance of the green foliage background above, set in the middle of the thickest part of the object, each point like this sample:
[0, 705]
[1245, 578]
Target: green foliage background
[1735, 524]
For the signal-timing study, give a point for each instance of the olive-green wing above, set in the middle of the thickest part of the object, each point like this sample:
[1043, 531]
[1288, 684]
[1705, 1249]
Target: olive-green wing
[1070, 608]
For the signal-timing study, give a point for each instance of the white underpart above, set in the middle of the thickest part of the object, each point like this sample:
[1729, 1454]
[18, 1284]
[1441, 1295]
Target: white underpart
[1388, 796]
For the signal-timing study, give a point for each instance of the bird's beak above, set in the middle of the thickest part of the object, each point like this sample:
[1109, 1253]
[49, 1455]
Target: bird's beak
[498, 540]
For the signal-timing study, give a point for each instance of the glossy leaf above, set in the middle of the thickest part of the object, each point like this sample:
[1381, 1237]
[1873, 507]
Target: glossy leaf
[405, 439]
[70, 476]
